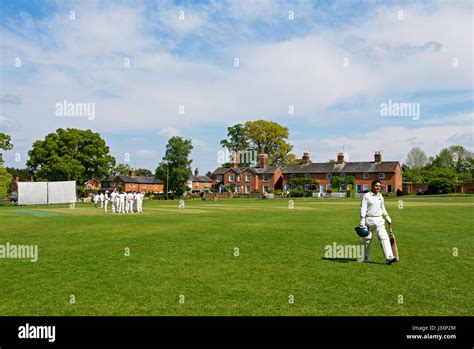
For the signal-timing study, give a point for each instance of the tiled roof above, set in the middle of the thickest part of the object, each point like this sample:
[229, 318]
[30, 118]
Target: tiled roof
[239, 170]
[346, 167]
[138, 179]
[200, 179]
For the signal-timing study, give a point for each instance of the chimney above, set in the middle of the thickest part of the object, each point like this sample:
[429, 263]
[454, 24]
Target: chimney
[378, 156]
[131, 173]
[196, 172]
[263, 160]
[340, 158]
[305, 158]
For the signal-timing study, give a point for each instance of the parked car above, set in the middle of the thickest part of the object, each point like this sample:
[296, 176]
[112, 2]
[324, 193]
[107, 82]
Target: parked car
[8, 199]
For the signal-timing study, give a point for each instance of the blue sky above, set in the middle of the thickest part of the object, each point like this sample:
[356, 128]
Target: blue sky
[334, 62]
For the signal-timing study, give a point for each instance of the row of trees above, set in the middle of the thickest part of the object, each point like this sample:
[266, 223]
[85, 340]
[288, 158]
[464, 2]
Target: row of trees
[442, 172]
[72, 154]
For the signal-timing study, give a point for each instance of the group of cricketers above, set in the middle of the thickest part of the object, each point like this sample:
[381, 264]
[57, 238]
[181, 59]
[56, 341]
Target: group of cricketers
[122, 202]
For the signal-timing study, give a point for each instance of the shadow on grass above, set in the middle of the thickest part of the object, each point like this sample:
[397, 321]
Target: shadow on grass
[347, 260]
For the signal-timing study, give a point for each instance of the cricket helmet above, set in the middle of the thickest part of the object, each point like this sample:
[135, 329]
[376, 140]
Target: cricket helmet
[362, 232]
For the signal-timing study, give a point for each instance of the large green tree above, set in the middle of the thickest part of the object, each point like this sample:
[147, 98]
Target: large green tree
[5, 181]
[175, 169]
[5, 144]
[261, 136]
[143, 172]
[70, 154]
[121, 170]
[5, 177]
[416, 158]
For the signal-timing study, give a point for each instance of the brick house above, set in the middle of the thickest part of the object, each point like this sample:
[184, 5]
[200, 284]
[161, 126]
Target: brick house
[246, 180]
[127, 183]
[199, 183]
[388, 172]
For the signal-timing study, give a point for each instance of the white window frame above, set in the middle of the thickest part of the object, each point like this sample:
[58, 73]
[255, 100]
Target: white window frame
[238, 189]
[328, 186]
[366, 175]
[231, 178]
[265, 190]
[365, 187]
[238, 178]
[219, 178]
[328, 175]
[343, 175]
[267, 178]
[307, 175]
[248, 178]
[382, 175]
[132, 185]
[248, 189]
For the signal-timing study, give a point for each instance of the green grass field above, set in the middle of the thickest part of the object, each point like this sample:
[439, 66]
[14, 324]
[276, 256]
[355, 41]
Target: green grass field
[190, 252]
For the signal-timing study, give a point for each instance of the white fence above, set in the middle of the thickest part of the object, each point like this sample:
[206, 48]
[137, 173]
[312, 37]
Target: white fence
[332, 195]
[37, 193]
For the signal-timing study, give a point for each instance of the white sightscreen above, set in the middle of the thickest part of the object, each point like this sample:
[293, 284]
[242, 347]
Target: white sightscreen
[32, 193]
[61, 192]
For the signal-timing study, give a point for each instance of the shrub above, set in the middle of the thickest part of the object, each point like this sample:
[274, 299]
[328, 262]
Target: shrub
[440, 186]
[295, 193]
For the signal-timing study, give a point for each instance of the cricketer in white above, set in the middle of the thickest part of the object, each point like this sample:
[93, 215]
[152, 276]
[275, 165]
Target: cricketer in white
[372, 212]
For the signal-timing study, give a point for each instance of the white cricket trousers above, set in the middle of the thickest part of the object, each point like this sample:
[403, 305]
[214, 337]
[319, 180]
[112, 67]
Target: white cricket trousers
[139, 205]
[121, 208]
[106, 204]
[377, 225]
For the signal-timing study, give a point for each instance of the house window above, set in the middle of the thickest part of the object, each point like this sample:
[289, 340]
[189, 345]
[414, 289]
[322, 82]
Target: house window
[219, 178]
[238, 178]
[343, 187]
[328, 186]
[144, 186]
[293, 175]
[328, 176]
[133, 185]
[382, 187]
[231, 178]
[247, 178]
[381, 175]
[237, 189]
[155, 186]
[265, 178]
[247, 189]
[89, 186]
[343, 175]
[365, 187]
[365, 175]
[307, 175]
[265, 188]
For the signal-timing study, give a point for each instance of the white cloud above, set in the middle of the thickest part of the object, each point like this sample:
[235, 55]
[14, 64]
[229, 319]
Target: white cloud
[83, 61]
[169, 132]
[145, 153]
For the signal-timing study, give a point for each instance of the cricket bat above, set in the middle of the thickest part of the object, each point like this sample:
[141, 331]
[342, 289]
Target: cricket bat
[393, 244]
